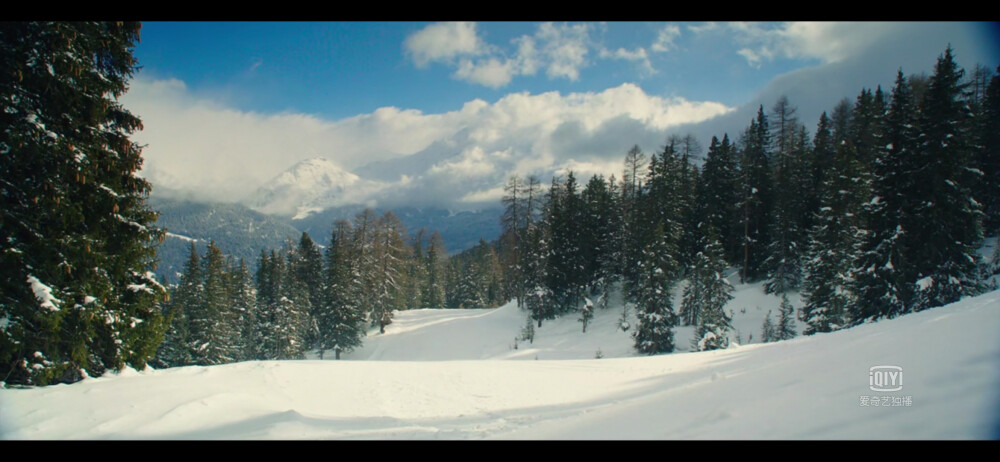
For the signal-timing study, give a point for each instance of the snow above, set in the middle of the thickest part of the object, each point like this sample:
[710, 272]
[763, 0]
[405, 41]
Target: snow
[925, 283]
[108, 190]
[140, 288]
[310, 186]
[43, 294]
[453, 374]
[182, 237]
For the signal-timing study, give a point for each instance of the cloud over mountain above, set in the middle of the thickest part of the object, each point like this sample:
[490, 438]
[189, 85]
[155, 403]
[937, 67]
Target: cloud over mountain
[449, 158]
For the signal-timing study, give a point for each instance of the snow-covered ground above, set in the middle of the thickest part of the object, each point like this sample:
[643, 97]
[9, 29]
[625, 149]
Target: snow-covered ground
[455, 374]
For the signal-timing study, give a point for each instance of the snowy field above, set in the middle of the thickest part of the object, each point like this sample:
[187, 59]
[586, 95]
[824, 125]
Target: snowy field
[455, 374]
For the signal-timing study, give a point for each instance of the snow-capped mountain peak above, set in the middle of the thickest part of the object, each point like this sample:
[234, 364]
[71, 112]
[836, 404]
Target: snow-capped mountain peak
[309, 186]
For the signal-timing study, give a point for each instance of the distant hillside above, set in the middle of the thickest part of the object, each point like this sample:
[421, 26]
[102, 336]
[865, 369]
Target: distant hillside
[236, 229]
[242, 232]
[460, 231]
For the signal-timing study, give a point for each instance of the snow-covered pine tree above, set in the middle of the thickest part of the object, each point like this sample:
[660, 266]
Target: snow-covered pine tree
[784, 255]
[174, 350]
[389, 272]
[538, 298]
[307, 267]
[436, 267]
[187, 296]
[839, 230]
[244, 305]
[631, 239]
[757, 201]
[586, 313]
[598, 221]
[566, 257]
[832, 249]
[416, 272]
[280, 319]
[946, 219]
[513, 224]
[718, 196]
[880, 279]
[77, 244]
[767, 333]
[213, 332]
[707, 295]
[528, 331]
[341, 320]
[654, 309]
[989, 156]
[786, 320]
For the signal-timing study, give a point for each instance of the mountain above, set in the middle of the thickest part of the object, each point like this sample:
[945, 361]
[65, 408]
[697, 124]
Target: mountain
[460, 231]
[236, 229]
[242, 232]
[310, 186]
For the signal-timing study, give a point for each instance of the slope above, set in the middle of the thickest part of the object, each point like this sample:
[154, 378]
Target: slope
[808, 387]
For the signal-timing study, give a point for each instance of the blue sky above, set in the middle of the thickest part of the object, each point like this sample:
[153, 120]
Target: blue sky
[341, 69]
[444, 112]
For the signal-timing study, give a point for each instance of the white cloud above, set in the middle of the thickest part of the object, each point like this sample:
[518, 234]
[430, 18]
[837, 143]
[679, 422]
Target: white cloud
[560, 49]
[828, 42]
[219, 153]
[441, 42]
[638, 55]
[488, 72]
[471, 162]
[565, 47]
[753, 59]
[485, 196]
[702, 28]
[665, 38]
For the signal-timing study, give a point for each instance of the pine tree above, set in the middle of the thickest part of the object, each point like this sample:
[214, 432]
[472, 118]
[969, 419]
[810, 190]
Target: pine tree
[767, 331]
[989, 156]
[718, 196]
[786, 321]
[586, 313]
[880, 276]
[654, 334]
[538, 298]
[434, 293]
[566, 257]
[307, 268]
[186, 297]
[945, 227]
[390, 254]
[757, 197]
[833, 246]
[416, 273]
[243, 303]
[597, 218]
[174, 350]
[283, 314]
[77, 243]
[631, 240]
[706, 296]
[341, 321]
[783, 263]
[513, 223]
[214, 333]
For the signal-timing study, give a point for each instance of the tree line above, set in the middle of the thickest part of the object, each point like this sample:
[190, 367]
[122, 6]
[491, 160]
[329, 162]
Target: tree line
[302, 298]
[877, 214]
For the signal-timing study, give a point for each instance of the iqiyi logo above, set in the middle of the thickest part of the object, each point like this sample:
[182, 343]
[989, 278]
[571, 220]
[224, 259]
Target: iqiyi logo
[885, 378]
